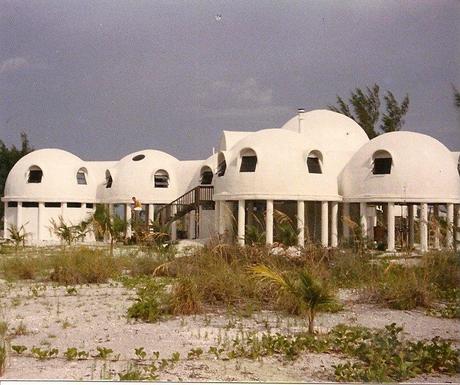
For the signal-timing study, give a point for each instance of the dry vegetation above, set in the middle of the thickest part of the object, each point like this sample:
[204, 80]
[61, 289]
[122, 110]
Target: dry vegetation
[221, 278]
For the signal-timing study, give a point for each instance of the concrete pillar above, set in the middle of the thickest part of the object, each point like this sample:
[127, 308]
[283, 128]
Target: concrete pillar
[151, 213]
[129, 230]
[222, 213]
[19, 216]
[334, 224]
[269, 223]
[457, 236]
[241, 221]
[411, 210]
[301, 223]
[363, 218]
[424, 227]
[5, 221]
[191, 225]
[173, 227]
[346, 214]
[391, 226]
[324, 223]
[63, 210]
[40, 224]
[437, 230]
[216, 217]
[450, 226]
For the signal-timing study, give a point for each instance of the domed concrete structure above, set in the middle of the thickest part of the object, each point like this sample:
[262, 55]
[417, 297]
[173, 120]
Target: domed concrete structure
[319, 169]
[421, 169]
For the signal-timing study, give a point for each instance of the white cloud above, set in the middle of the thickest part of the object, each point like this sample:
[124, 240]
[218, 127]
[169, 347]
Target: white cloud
[13, 64]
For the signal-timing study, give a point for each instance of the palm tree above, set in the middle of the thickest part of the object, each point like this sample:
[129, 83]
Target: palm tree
[18, 235]
[107, 226]
[311, 292]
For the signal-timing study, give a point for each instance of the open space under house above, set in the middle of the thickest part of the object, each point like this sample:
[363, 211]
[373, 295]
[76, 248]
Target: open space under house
[402, 188]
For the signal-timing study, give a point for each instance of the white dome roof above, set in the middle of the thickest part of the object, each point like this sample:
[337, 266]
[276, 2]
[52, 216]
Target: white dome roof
[59, 181]
[332, 130]
[281, 171]
[134, 174]
[423, 170]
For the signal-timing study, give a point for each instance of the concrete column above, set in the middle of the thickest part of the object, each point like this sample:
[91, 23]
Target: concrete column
[129, 230]
[346, 214]
[222, 213]
[151, 213]
[269, 223]
[41, 214]
[63, 210]
[424, 227]
[363, 218]
[457, 236]
[191, 225]
[411, 209]
[5, 221]
[324, 223]
[19, 216]
[241, 221]
[216, 217]
[301, 223]
[450, 226]
[173, 227]
[437, 230]
[391, 226]
[334, 224]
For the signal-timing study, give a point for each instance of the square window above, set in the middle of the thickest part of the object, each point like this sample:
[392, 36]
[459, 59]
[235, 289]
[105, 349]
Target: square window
[81, 177]
[161, 181]
[314, 165]
[382, 166]
[35, 176]
[248, 163]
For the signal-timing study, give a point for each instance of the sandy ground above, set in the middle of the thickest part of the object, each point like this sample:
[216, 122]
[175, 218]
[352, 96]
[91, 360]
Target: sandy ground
[95, 316]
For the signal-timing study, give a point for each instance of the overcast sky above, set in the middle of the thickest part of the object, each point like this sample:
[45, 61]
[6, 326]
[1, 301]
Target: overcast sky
[105, 78]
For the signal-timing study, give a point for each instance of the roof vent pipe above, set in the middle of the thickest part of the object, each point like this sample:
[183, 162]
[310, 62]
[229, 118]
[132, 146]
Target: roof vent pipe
[300, 111]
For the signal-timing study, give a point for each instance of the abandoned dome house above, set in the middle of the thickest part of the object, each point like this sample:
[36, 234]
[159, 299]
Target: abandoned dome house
[401, 189]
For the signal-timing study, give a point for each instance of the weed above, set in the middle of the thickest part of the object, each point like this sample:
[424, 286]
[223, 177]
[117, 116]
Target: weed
[194, 353]
[20, 330]
[140, 353]
[103, 352]
[71, 291]
[44, 354]
[19, 349]
[151, 303]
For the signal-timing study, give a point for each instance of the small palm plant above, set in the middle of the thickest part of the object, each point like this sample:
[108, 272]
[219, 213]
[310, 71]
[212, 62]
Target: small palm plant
[285, 229]
[108, 226]
[311, 293]
[18, 235]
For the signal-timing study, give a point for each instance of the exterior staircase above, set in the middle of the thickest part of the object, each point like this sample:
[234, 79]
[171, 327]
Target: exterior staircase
[191, 200]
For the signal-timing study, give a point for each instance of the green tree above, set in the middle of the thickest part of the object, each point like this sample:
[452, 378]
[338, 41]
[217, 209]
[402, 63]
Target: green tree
[364, 108]
[8, 158]
[310, 292]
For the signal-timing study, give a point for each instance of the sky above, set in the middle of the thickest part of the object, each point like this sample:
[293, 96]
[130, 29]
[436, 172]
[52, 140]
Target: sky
[102, 79]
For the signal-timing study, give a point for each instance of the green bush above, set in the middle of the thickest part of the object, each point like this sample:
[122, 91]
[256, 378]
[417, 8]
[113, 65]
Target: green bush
[152, 302]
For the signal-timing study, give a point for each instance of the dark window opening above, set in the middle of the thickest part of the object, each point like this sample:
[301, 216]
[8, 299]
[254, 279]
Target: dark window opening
[90, 205]
[35, 176]
[139, 157]
[314, 165]
[81, 177]
[248, 163]
[382, 166]
[206, 177]
[29, 204]
[74, 205]
[52, 204]
[221, 168]
[108, 179]
[161, 179]
[12, 204]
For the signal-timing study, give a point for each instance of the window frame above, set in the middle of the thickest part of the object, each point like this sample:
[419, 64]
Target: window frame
[159, 177]
[31, 172]
[84, 172]
[248, 160]
[380, 163]
[315, 154]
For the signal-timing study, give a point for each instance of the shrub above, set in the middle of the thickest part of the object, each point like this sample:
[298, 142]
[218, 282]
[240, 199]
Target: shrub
[152, 302]
[21, 267]
[83, 265]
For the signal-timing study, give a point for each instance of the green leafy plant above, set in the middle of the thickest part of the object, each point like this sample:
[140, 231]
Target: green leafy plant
[310, 292]
[19, 349]
[103, 352]
[140, 353]
[151, 303]
[44, 354]
[194, 353]
[18, 235]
